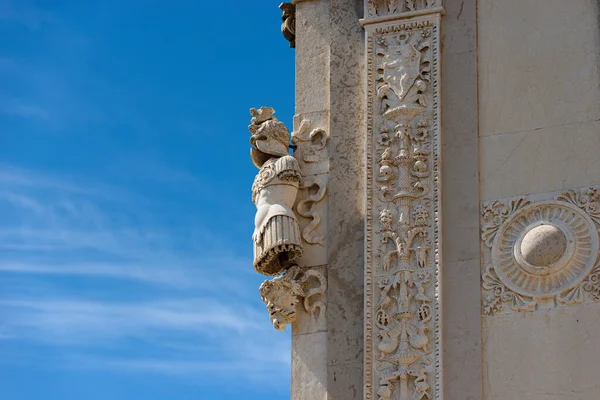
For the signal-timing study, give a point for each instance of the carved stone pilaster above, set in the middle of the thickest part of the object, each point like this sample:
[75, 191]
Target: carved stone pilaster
[540, 251]
[403, 249]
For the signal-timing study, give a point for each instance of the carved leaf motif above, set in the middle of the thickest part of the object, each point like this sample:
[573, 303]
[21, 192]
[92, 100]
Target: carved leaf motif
[586, 199]
[573, 296]
[522, 303]
[499, 294]
[494, 214]
[592, 284]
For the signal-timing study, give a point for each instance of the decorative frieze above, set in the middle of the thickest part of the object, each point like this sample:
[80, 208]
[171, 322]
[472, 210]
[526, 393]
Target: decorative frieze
[542, 252]
[402, 276]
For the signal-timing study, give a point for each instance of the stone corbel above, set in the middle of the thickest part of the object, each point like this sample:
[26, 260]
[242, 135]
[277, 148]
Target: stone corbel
[282, 295]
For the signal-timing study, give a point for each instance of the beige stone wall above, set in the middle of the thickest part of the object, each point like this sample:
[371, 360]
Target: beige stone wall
[460, 204]
[539, 132]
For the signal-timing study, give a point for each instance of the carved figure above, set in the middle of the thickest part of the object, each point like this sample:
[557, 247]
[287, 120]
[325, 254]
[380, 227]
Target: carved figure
[282, 295]
[385, 217]
[421, 385]
[371, 8]
[277, 240]
[390, 339]
[385, 389]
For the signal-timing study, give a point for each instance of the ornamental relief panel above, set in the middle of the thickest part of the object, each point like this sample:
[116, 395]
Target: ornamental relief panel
[540, 253]
[402, 314]
[380, 8]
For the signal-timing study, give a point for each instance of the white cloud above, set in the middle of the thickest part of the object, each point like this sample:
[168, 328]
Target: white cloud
[193, 306]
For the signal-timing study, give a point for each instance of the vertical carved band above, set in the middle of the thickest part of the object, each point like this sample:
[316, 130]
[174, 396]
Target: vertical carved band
[402, 273]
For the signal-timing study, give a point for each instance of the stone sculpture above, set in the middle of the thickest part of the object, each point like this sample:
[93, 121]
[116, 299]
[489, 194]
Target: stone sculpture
[282, 295]
[277, 239]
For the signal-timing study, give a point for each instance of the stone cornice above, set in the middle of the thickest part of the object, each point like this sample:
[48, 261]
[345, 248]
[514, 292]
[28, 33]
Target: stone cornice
[401, 16]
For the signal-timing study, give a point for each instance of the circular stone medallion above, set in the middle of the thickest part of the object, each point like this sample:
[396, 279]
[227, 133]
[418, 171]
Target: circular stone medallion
[545, 248]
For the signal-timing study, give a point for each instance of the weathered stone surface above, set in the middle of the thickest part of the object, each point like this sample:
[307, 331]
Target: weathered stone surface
[309, 366]
[460, 203]
[550, 354]
[539, 161]
[346, 199]
[538, 65]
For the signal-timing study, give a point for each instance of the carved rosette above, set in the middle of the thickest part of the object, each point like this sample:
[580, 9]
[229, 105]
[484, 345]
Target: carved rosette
[540, 254]
[402, 277]
[282, 295]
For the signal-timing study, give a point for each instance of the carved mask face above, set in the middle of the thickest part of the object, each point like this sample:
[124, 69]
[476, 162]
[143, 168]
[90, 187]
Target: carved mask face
[281, 296]
[282, 308]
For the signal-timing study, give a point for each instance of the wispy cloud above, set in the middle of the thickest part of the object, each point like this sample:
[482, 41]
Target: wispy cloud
[76, 321]
[192, 335]
[190, 304]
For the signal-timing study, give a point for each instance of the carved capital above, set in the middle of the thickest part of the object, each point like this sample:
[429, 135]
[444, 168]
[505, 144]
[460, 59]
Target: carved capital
[282, 295]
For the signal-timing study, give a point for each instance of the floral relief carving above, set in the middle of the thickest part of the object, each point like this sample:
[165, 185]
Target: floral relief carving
[541, 254]
[402, 321]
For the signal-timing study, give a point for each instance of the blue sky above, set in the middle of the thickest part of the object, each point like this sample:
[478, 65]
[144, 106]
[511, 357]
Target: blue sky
[126, 218]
